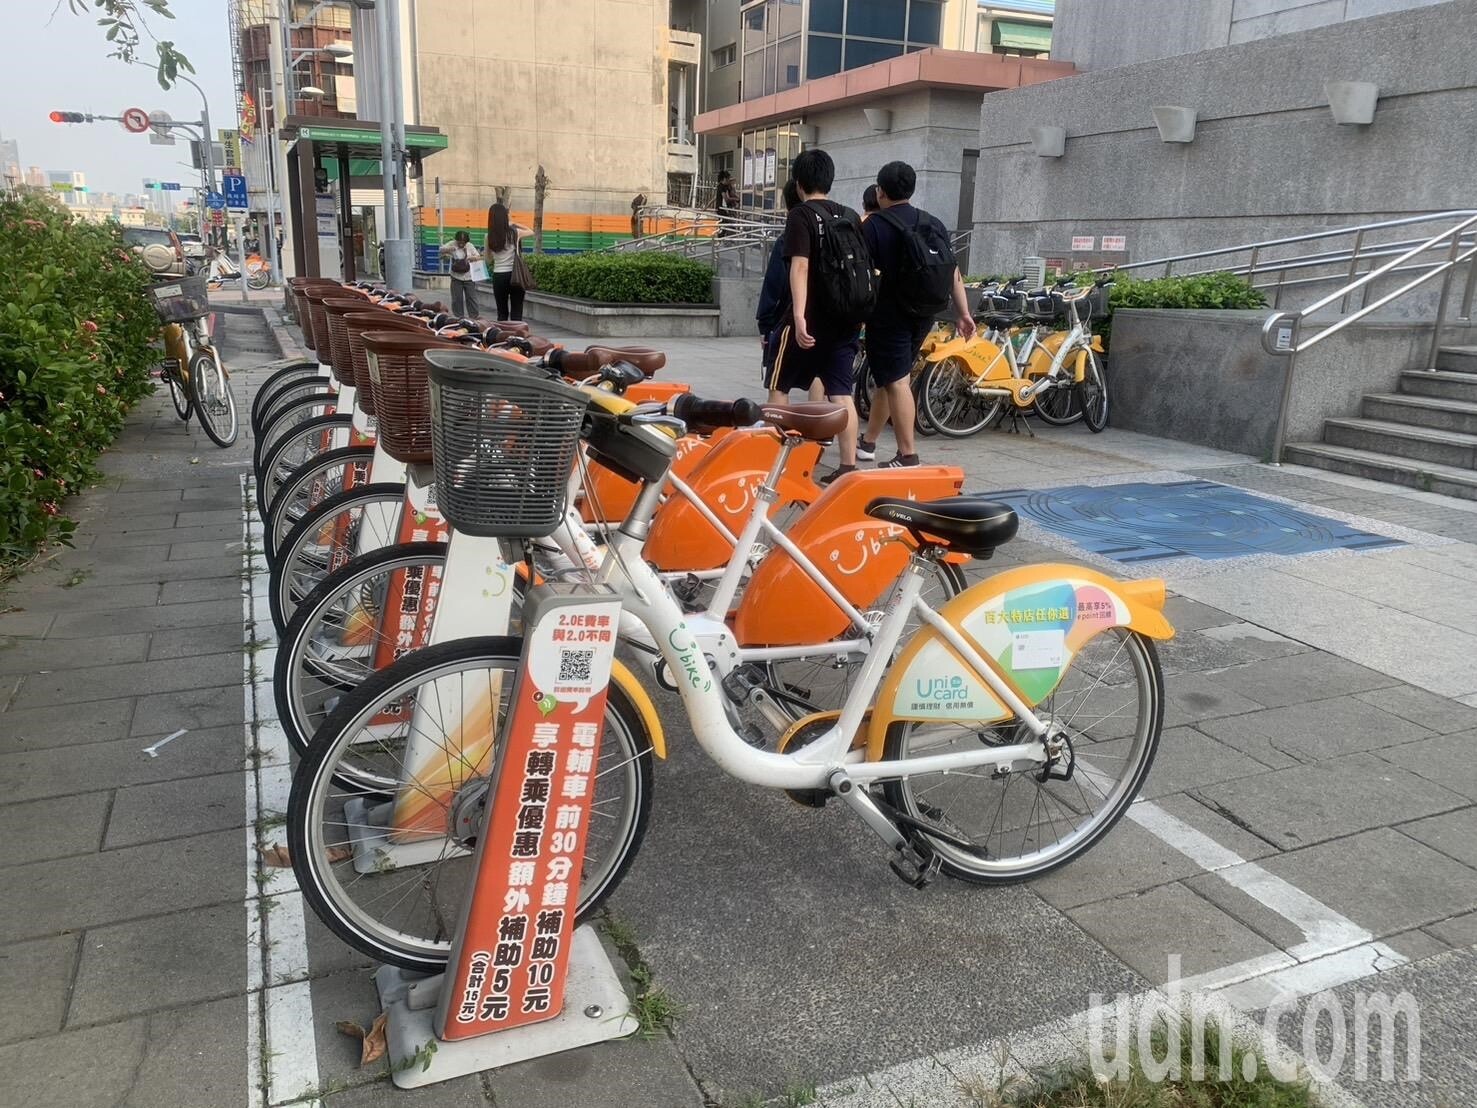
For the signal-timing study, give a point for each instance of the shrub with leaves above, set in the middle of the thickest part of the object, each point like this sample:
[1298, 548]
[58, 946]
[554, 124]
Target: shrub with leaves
[650, 277]
[1218, 291]
[76, 329]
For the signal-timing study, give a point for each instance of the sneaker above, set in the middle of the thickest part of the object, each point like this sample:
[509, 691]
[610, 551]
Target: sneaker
[902, 461]
[839, 471]
[865, 450]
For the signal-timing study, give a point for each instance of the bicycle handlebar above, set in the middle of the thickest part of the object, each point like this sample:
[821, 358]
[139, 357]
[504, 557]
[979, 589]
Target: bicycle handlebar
[709, 415]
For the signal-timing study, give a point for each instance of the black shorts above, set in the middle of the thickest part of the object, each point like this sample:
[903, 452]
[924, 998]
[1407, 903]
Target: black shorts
[792, 367]
[891, 351]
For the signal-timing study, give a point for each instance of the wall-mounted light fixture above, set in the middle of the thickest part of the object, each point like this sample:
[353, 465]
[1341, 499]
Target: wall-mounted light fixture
[1176, 124]
[879, 119]
[1049, 142]
[1351, 101]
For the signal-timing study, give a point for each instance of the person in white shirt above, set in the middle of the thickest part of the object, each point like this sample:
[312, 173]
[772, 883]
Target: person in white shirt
[503, 237]
[463, 283]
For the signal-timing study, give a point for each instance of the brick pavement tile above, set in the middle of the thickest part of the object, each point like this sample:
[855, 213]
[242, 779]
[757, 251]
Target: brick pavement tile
[463, 1092]
[222, 533]
[70, 769]
[1185, 614]
[196, 709]
[1436, 713]
[1130, 859]
[92, 890]
[1143, 930]
[30, 656]
[1446, 759]
[39, 728]
[171, 809]
[1313, 676]
[225, 552]
[634, 1072]
[220, 638]
[181, 1058]
[72, 686]
[153, 617]
[1196, 652]
[1382, 880]
[1186, 759]
[107, 573]
[1255, 641]
[35, 980]
[1309, 804]
[54, 598]
[210, 518]
[41, 829]
[205, 589]
[1458, 931]
[1206, 820]
[21, 622]
[1249, 912]
[1452, 833]
[1417, 944]
[1313, 731]
[179, 955]
[1192, 697]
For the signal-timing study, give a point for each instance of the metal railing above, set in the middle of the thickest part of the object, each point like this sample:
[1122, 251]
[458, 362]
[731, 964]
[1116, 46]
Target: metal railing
[703, 235]
[1455, 245]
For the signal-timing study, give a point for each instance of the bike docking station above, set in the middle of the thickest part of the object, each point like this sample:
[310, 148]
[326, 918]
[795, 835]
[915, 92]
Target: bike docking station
[521, 981]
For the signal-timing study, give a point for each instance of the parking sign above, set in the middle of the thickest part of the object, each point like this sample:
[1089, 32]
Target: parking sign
[234, 186]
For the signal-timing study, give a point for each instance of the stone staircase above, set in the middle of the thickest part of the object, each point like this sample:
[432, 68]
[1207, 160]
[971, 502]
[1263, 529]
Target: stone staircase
[1424, 436]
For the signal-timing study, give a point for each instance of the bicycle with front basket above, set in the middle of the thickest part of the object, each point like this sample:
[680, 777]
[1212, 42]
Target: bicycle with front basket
[192, 368]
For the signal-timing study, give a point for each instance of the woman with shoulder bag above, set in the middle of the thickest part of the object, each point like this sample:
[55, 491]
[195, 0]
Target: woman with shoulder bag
[510, 277]
[467, 268]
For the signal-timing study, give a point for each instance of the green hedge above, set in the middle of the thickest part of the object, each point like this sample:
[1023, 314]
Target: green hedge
[75, 354]
[649, 277]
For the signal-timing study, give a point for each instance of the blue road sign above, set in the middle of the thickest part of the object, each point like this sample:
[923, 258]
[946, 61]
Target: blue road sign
[215, 201]
[169, 186]
[235, 189]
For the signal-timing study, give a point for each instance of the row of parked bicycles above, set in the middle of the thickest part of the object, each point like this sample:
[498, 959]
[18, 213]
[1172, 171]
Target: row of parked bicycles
[1033, 355]
[423, 472]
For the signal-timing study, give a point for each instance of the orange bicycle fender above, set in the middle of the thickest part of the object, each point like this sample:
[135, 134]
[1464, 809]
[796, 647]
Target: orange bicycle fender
[1047, 610]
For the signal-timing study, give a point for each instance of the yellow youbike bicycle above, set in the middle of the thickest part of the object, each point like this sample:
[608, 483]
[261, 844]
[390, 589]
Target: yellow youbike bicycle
[1017, 364]
[192, 367]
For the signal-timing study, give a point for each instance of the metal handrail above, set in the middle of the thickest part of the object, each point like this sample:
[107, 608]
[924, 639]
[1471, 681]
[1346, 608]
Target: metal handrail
[1281, 332]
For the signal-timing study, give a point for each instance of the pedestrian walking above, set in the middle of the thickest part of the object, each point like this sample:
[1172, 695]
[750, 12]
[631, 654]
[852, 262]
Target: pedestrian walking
[774, 299]
[917, 280]
[503, 237]
[832, 290]
[466, 269]
[725, 201]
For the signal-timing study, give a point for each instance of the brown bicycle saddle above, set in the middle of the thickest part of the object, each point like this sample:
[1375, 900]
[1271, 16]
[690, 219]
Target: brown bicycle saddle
[814, 420]
[647, 360]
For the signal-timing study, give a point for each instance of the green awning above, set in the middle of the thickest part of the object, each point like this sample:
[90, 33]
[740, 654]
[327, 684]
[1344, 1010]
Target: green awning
[355, 135]
[1021, 36]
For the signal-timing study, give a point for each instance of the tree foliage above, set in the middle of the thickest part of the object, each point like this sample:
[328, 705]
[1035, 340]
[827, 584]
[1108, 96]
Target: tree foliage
[125, 27]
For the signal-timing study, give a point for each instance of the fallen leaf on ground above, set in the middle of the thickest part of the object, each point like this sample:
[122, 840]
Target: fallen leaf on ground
[372, 1042]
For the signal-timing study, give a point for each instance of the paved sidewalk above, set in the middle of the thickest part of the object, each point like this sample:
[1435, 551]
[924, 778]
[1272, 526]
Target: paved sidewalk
[1313, 810]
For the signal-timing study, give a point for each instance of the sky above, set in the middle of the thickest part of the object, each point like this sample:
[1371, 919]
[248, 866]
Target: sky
[59, 62]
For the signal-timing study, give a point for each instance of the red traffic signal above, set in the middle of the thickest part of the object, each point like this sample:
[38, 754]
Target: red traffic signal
[68, 117]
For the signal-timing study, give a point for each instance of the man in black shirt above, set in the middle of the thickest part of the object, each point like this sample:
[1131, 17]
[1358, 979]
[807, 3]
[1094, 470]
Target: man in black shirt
[810, 346]
[893, 336]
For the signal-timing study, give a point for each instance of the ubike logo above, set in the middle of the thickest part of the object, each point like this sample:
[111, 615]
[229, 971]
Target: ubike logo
[688, 657]
[866, 547]
[686, 445]
[744, 485]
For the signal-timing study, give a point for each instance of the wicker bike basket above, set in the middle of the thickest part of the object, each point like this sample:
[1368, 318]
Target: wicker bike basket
[402, 399]
[334, 309]
[356, 324]
[504, 442]
[304, 316]
[314, 295]
[181, 300]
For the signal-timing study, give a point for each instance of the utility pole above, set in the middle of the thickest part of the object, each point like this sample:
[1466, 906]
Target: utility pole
[389, 233]
[399, 255]
[280, 104]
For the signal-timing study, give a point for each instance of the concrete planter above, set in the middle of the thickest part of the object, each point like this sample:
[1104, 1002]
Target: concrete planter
[600, 320]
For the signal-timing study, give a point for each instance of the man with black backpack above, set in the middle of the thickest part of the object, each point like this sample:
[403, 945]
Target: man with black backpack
[832, 292]
[918, 280]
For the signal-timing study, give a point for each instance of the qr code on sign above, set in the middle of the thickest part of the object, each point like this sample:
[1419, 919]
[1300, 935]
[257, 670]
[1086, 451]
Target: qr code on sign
[576, 665]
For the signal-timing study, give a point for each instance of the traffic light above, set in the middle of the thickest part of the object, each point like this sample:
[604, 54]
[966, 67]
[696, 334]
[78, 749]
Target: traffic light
[68, 117]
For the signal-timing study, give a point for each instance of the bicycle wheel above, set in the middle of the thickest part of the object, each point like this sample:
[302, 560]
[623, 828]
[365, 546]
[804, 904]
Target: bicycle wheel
[818, 683]
[403, 912]
[922, 425]
[334, 638]
[1058, 405]
[287, 419]
[305, 442]
[212, 399]
[307, 486]
[297, 371]
[951, 402]
[178, 395]
[1110, 708]
[284, 396]
[1092, 394]
[324, 540]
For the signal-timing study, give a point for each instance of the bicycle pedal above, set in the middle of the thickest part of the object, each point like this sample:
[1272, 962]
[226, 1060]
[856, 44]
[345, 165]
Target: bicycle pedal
[915, 865]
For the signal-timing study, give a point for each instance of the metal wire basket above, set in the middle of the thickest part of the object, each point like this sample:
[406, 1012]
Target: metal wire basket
[504, 441]
[356, 325]
[181, 300]
[402, 401]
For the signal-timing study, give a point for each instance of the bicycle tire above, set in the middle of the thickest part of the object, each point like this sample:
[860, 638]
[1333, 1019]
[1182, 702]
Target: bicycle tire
[282, 397]
[1092, 395]
[303, 658]
[962, 399]
[1057, 406]
[306, 441]
[307, 486]
[179, 396]
[211, 398]
[298, 370]
[313, 804]
[283, 420]
[296, 572]
[989, 866]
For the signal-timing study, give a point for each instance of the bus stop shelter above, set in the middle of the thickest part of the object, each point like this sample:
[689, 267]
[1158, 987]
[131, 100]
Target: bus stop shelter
[347, 149]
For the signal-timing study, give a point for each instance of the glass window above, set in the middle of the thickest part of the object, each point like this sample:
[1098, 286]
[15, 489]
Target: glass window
[725, 56]
[788, 75]
[825, 15]
[924, 19]
[753, 75]
[753, 28]
[860, 53]
[876, 19]
[789, 19]
[824, 58]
